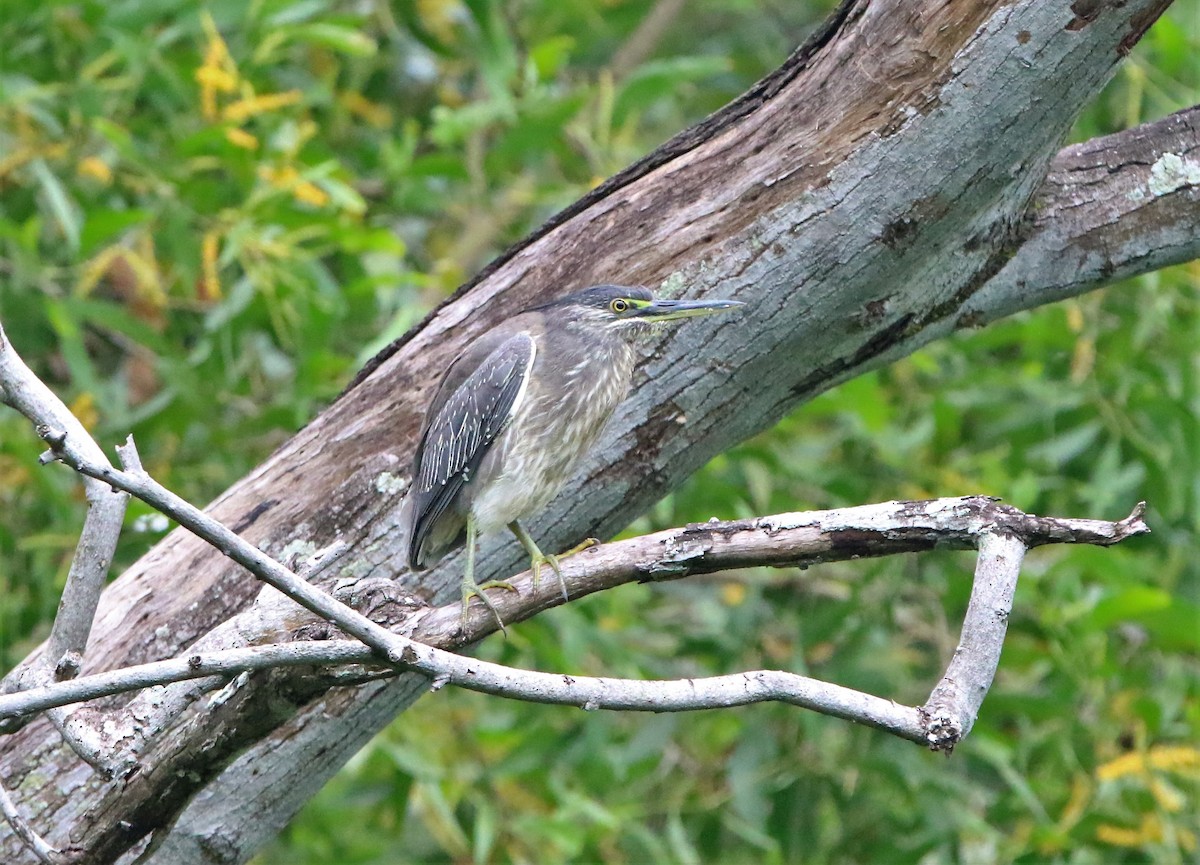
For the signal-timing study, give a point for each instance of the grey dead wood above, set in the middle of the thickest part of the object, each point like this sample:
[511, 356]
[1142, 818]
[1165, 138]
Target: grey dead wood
[1001, 533]
[34, 843]
[864, 201]
[62, 656]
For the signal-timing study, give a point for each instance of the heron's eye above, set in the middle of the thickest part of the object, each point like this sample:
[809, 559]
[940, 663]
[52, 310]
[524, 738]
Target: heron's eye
[619, 305]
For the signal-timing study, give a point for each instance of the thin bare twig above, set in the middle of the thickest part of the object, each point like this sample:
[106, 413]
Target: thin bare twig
[26, 393]
[585, 692]
[448, 668]
[784, 538]
[63, 655]
[43, 851]
[1000, 532]
[144, 487]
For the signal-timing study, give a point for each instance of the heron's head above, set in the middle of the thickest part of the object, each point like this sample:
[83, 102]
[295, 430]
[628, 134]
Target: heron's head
[626, 309]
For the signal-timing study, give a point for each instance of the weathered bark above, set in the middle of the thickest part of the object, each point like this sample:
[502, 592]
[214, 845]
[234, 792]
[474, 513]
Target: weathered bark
[869, 196]
[1109, 209]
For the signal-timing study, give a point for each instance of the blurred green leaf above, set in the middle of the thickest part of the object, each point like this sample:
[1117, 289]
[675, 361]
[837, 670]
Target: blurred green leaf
[65, 211]
[344, 38]
[658, 79]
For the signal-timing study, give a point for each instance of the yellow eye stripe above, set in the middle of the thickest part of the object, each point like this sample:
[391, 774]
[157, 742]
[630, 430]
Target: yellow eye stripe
[624, 304]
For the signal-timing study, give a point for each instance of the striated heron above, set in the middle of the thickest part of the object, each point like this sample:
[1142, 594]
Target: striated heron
[513, 414]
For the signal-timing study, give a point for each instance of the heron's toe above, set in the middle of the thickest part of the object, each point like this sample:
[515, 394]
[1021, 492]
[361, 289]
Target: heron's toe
[472, 589]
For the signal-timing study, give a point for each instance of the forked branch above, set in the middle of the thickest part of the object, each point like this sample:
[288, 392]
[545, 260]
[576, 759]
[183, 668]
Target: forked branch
[1001, 534]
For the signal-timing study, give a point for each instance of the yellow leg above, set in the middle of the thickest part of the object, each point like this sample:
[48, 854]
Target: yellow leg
[470, 588]
[537, 558]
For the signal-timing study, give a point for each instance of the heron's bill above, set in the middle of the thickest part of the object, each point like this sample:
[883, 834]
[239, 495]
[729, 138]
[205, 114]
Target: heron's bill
[669, 310]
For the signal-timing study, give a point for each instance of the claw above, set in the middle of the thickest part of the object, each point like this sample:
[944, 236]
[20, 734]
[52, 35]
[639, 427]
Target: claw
[536, 562]
[472, 589]
[586, 543]
[537, 558]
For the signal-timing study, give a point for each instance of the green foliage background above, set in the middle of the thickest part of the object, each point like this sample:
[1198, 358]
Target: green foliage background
[211, 216]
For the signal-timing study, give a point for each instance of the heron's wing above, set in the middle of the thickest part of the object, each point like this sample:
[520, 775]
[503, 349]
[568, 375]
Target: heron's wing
[470, 409]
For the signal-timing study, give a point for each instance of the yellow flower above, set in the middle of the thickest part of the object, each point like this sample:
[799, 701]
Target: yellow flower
[1074, 317]
[1175, 759]
[310, 193]
[210, 280]
[95, 168]
[252, 105]
[288, 178]
[440, 17]
[1121, 837]
[134, 272]
[16, 159]
[1083, 359]
[280, 178]
[241, 138]
[216, 52]
[379, 116]
[84, 408]
[1167, 796]
[733, 594]
[218, 73]
[1179, 759]
[1149, 832]
[216, 79]
[1172, 758]
[1076, 807]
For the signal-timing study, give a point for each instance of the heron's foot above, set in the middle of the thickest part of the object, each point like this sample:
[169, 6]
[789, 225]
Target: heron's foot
[472, 589]
[535, 564]
[539, 558]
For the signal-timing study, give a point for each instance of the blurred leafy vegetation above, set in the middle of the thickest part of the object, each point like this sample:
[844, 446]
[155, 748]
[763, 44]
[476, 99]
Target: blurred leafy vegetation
[211, 216]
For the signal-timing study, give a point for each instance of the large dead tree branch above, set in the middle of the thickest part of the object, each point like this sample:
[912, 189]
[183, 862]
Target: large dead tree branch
[863, 199]
[1110, 208]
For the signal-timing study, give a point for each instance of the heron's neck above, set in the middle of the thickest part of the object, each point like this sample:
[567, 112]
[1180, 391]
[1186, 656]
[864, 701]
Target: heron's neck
[610, 351]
